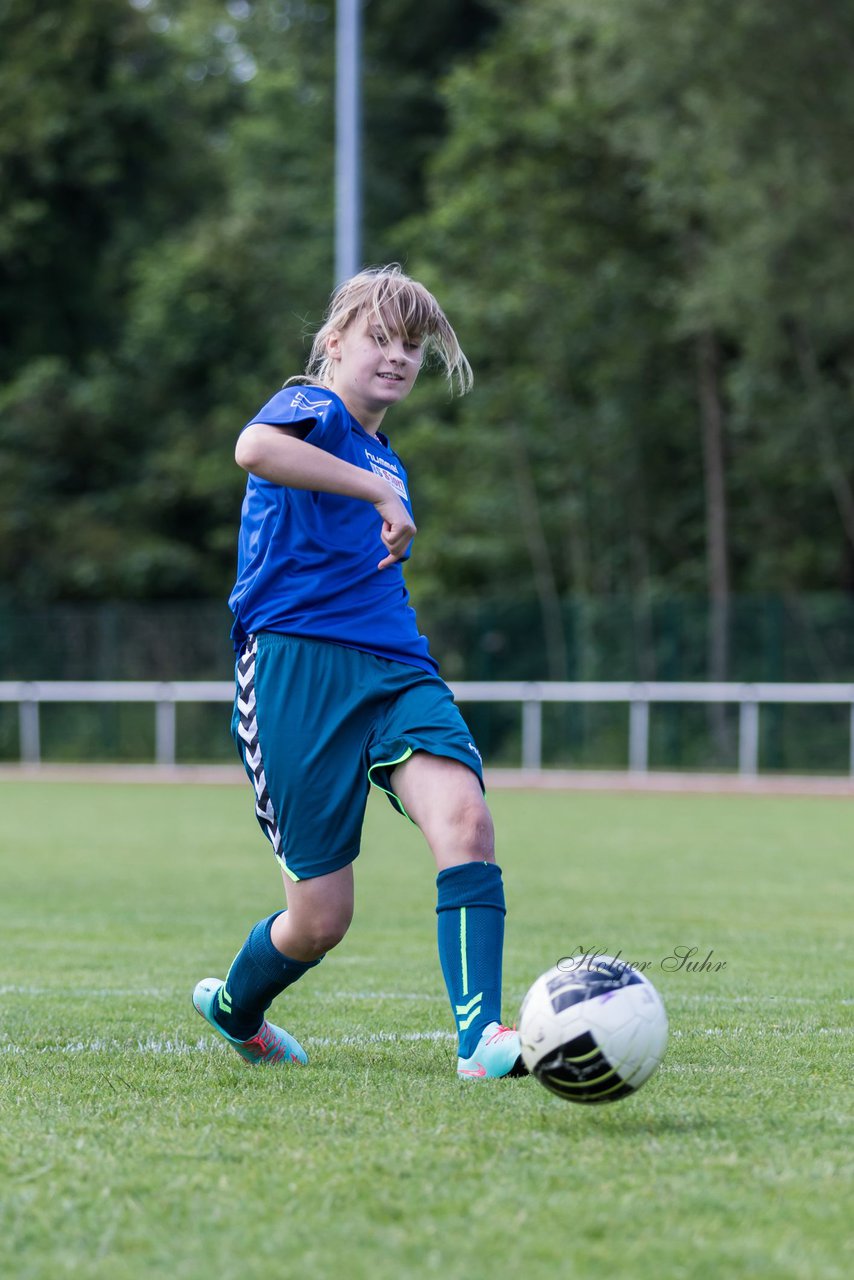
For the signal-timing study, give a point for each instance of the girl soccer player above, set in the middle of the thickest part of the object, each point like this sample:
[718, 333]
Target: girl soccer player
[336, 688]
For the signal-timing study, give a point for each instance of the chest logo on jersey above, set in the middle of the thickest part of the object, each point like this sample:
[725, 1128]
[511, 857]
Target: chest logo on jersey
[388, 471]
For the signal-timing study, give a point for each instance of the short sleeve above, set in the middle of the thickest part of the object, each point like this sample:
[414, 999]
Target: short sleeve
[303, 405]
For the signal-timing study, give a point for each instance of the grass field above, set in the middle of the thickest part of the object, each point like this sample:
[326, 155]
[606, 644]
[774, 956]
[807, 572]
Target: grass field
[135, 1145]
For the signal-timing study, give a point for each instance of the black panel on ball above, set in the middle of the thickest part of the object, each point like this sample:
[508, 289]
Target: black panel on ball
[586, 983]
[580, 1072]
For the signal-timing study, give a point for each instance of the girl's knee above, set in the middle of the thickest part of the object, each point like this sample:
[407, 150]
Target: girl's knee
[472, 830]
[322, 932]
[309, 929]
[319, 913]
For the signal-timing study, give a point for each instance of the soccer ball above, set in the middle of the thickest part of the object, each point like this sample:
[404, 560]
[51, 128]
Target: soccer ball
[592, 1029]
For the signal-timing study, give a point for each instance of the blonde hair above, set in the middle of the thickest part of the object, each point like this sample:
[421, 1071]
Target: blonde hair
[398, 305]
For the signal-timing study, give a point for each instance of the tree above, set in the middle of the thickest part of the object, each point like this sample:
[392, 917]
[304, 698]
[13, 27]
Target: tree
[98, 155]
[167, 238]
[737, 116]
[648, 235]
[554, 276]
[640, 231]
[97, 161]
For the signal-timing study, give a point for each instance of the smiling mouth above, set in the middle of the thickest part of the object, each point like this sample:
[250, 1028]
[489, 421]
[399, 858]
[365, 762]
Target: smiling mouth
[390, 377]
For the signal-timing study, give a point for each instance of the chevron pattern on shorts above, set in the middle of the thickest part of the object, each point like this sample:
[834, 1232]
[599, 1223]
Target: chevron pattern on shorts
[247, 730]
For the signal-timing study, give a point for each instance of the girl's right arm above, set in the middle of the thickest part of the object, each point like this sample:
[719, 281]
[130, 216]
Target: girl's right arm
[279, 455]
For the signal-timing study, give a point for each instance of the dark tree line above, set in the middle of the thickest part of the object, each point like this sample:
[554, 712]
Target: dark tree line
[641, 228]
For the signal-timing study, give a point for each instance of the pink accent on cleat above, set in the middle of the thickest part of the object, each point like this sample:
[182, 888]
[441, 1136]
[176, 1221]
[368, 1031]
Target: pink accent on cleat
[498, 1054]
[269, 1045]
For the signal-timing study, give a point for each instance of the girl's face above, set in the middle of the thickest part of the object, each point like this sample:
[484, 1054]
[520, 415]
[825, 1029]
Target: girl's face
[370, 370]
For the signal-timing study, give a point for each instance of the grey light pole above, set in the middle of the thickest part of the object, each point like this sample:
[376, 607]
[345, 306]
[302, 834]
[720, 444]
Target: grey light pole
[348, 139]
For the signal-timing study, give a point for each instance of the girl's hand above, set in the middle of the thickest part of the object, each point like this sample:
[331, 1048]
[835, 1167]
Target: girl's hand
[398, 527]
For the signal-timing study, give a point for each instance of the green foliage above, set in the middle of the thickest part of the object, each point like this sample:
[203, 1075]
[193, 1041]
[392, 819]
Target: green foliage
[562, 314]
[745, 167]
[591, 187]
[635, 182]
[167, 241]
[408, 48]
[97, 157]
[108, 160]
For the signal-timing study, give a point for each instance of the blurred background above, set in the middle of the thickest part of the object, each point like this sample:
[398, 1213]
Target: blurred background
[638, 216]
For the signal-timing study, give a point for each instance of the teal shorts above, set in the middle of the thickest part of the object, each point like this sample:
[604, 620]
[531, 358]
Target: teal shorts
[317, 725]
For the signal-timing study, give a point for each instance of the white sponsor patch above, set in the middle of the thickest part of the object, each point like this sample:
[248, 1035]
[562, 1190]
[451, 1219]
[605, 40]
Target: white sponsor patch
[394, 480]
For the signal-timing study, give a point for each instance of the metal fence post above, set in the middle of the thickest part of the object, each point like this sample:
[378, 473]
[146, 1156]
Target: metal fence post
[165, 726]
[639, 733]
[748, 734]
[532, 731]
[29, 727]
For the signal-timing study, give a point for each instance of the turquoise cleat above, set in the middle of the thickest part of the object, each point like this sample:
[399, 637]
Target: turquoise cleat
[270, 1044]
[498, 1053]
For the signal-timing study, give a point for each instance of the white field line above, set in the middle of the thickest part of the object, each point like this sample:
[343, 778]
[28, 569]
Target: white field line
[171, 993]
[206, 1045]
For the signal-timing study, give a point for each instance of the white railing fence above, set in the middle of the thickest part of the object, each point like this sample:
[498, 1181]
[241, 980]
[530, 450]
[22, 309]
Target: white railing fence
[530, 695]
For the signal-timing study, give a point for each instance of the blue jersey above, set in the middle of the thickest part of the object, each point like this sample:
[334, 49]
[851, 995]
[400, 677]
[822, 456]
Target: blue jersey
[307, 561]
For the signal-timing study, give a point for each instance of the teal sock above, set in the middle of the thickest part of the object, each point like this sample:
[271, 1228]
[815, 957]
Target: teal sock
[470, 908]
[258, 973]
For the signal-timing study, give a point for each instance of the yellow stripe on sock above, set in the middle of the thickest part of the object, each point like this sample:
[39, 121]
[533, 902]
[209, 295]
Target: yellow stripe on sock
[465, 1023]
[463, 959]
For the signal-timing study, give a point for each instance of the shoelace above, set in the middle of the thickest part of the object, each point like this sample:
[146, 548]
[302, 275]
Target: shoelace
[501, 1033]
[265, 1040]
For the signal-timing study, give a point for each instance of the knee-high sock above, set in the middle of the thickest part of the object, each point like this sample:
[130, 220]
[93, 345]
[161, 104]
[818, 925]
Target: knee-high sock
[257, 975]
[470, 909]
